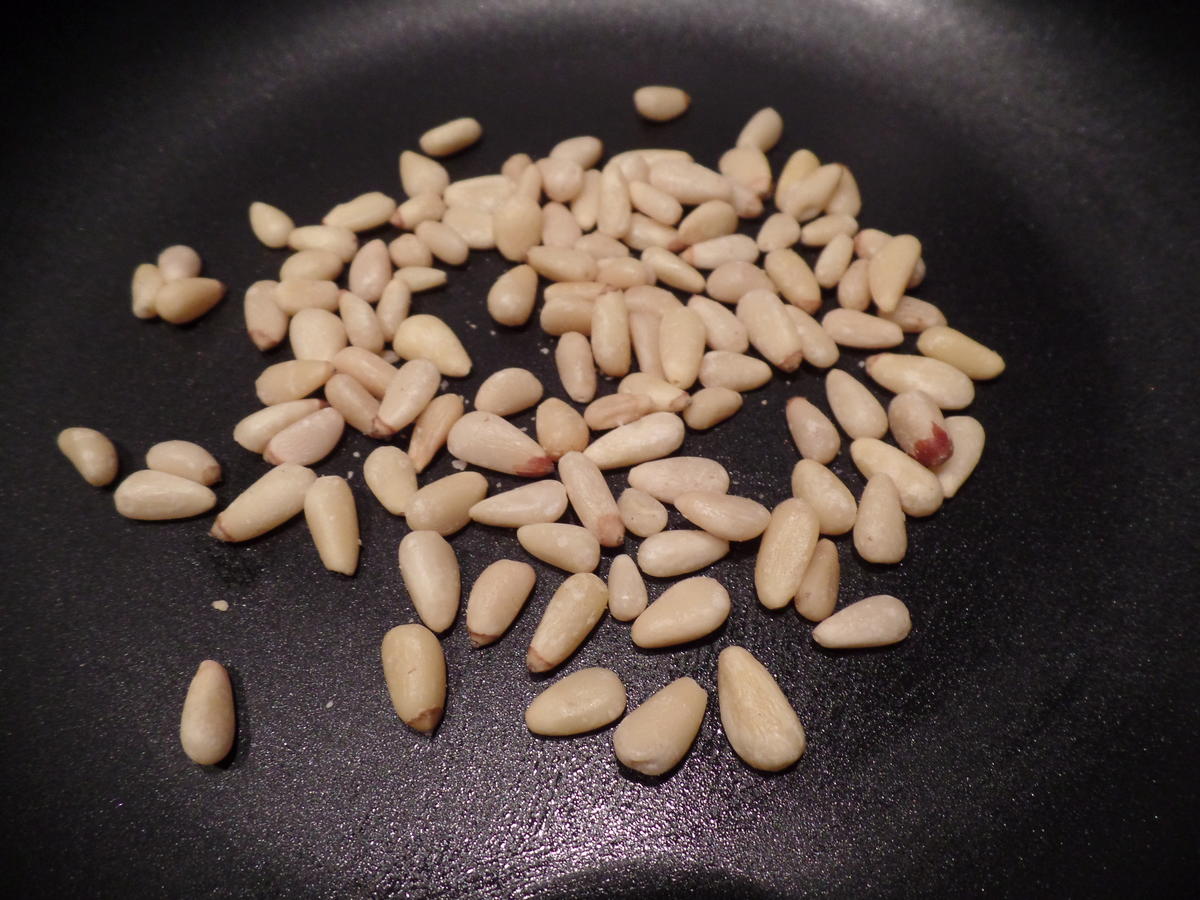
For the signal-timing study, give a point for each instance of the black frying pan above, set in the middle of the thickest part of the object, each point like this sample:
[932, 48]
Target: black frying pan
[1032, 737]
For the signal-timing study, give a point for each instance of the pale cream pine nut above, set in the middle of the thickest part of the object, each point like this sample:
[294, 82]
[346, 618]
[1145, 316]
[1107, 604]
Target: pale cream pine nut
[678, 552]
[818, 592]
[681, 344]
[431, 576]
[890, 269]
[586, 205]
[256, 430]
[443, 242]
[528, 186]
[428, 337]
[821, 489]
[793, 279]
[652, 437]
[722, 329]
[486, 193]
[689, 182]
[270, 224]
[846, 199]
[187, 299]
[614, 209]
[664, 395]
[390, 475]
[559, 228]
[360, 322]
[645, 233]
[656, 736]
[854, 406]
[853, 290]
[673, 271]
[584, 150]
[686, 611]
[651, 155]
[947, 386]
[968, 437]
[756, 717]
[409, 392]
[784, 552]
[657, 204]
[880, 530]
[770, 329]
[650, 299]
[307, 441]
[914, 316]
[644, 331]
[819, 232]
[723, 515]
[582, 701]
[472, 225]
[530, 504]
[420, 174]
[419, 208]
[364, 213]
[806, 198]
[919, 428]
[333, 522]
[431, 428]
[146, 281]
[872, 622]
[869, 241]
[817, 346]
[510, 300]
[747, 166]
[666, 479]
[641, 513]
[317, 265]
[601, 246]
[623, 273]
[370, 270]
[276, 497]
[735, 371]
[491, 442]
[421, 278]
[920, 490]
[496, 599]
[762, 131]
[562, 179]
[185, 459]
[711, 406]
[964, 353]
[316, 334]
[731, 281]
[834, 260]
[745, 202]
[517, 226]
[515, 165]
[562, 263]
[291, 380]
[91, 453]
[178, 262]
[560, 429]
[572, 613]
[578, 296]
[591, 499]
[155, 496]
[614, 410]
[450, 137]
[851, 328]
[713, 219]
[508, 391]
[713, 252]
[394, 306]
[660, 103]
[341, 241]
[799, 166]
[414, 668]
[576, 368]
[778, 231]
[366, 368]
[295, 294]
[208, 724]
[815, 436]
[627, 595]
[610, 334]
[444, 505]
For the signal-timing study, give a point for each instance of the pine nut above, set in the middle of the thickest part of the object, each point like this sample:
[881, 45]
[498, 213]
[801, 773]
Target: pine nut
[591, 499]
[851, 328]
[291, 380]
[657, 204]
[817, 346]
[601, 246]
[179, 262]
[641, 513]
[880, 530]
[846, 199]
[770, 329]
[295, 294]
[819, 232]
[713, 219]
[443, 242]
[968, 437]
[890, 269]
[722, 329]
[919, 428]
[644, 334]
[562, 179]
[799, 166]
[581, 702]
[762, 131]
[748, 167]
[576, 370]
[559, 428]
[370, 271]
[187, 299]
[784, 552]
[360, 322]
[156, 496]
[818, 591]
[530, 504]
[872, 622]
[964, 353]
[614, 211]
[854, 290]
[411, 389]
[870, 241]
[569, 547]
[814, 435]
[626, 590]
[793, 279]
[570, 616]
[394, 305]
[392, 478]
[715, 251]
[834, 260]
[920, 490]
[805, 198]
[256, 430]
[854, 406]
[185, 459]
[610, 333]
[614, 410]
[645, 233]
[366, 368]
[660, 103]
[508, 391]
[143, 287]
[830, 499]
[427, 207]
[420, 174]
[333, 522]
[431, 577]
[208, 724]
[414, 668]
[511, 299]
[689, 182]
[91, 453]
[307, 441]
[756, 717]
[735, 371]
[559, 228]
[585, 150]
[682, 338]
[711, 406]
[340, 241]
[569, 309]
[515, 165]
[586, 206]
[270, 225]
[444, 505]
[914, 316]
[421, 278]
[496, 599]
[731, 281]
[947, 386]
[428, 337]
[656, 736]
[490, 442]
[686, 611]
[474, 226]
[562, 263]
[722, 515]
[667, 479]
[266, 504]
[778, 231]
[623, 273]
[450, 137]
[649, 299]
[432, 427]
[671, 553]
[364, 213]
[485, 193]
[671, 270]
[652, 437]
[664, 397]
[316, 334]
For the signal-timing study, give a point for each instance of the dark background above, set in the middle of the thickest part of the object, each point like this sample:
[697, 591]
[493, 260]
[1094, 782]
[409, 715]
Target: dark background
[1033, 737]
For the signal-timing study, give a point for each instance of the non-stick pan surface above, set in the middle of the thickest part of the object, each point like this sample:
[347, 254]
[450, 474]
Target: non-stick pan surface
[1035, 735]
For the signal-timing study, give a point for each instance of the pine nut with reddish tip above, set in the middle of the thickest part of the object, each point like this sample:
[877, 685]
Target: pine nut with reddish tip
[968, 437]
[508, 391]
[890, 269]
[530, 504]
[291, 380]
[793, 279]
[652, 437]
[559, 428]
[496, 599]
[830, 499]
[266, 504]
[307, 441]
[660, 103]
[723, 515]
[341, 241]
[256, 430]
[143, 288]
[185, 459]
[872, 622]
[756, 717]
[965, 354]
[420, 174]
[834, 260]
[880, 530]
[414, 668]
[428, 337]
[641, 513]
[187, 299]
[573, 611]
[91, 453]
[333, 522]
[392, 478]
[208, 724]
[491, 442]
[711, 406]
[947, 386]
[582, 701]
[627, 595]
[707, 221]
[444, 505]
[576, 369]
[370, 270]
[591, 499]
[818, 592]
[854, 406]
[295, 294]
[656, 736]
[316, 334]
[670, 553]
[156, 496]
[270, 224]
[451, 137]
[770, 329]
[919, 428]
[431, 576]
[785, 550]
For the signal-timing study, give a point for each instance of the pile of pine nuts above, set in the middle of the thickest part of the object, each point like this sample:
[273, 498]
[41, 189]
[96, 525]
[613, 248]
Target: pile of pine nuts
[615, 245]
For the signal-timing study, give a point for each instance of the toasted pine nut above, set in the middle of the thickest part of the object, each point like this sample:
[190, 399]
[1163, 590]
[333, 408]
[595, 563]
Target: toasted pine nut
[819, 232]
[818, 592]
[559, 228]
[420, 174]
[660, 103]
[360, 322]
[641, 513]
[432, 427]
[291, 380]
[414, 668]
[179, 262]
[722, 329]
[270, 225]
[805, 198]
[799, 166]
[411, 389]
[851, 328]
[880, 531]
[731, 281]
[581, 702]
[586, 205]
[576, 370]
[428, 337]
[363, 213]
[821, 489]
[91, 453]
[490, 442]
[530, 504]
[143, 287]
[914, 316]
[784, 552]
[610, 333]
[853, 290]
[431, 576]
[707, 221]
[316, 334]
[426, 207]
[392, 478]
[846, 199]
[155, 496]
[920, 490]
[614, 410]
[496, 599]
[671, 553]
[793, 279]
[778, 231]
[644, 334]
[421, 278]
[450, 137]
[626, 590]
[444, 505]
[560, 429]
[873, 622]
[770, 329]
[762, 131]
[817, 346]
[333, 521]
[891, 268]
[689, 182]
[187, 299]
[562, 313]
[370, 271]
[756, 717]
[295, 294]
[185, 459]
[965, 354]
[919, 428]
[713, 252]
[686, 611]
[256, 430]
[834, 260]
[968, 438]
[486, 193]
[572, 613]
[854, 407]
[815, 436]
[658, 734]
[511, 299]
[366, 368]
[307, 441]
[682, 338]
[340, 241]
[614, 208]
[474, 226]
[652, 437]
[711, 406]
[723, 515]
[591, 498]
[266, 504]
[508, 391]
[208, 724]
[946, 385]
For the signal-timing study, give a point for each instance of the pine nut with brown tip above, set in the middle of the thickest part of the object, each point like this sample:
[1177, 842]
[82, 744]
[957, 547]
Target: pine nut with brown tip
[572, 613]
[332, 520]
[872, 622]
[641, 513]
[153, 496]
[880, 530]
[431, 576]
[307, 441]
[185, 459]
[264, 505]
[414, 668]
[530, 504]
[829, 497]
[756, 717]
[591, 499]
[91, 453]
[582, 701]
[491, 442]
[784, 553]
[656, 736]
[392, 478]
[508, 391]
[677, 552]
[818, 592]
[208, 723]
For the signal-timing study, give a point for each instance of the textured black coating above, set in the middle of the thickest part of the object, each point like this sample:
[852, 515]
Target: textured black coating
[1035, 734]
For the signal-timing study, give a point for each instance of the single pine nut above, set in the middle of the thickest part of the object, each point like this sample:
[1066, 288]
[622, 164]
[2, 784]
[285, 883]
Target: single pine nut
[443, 242]
[682, 338]
[815, 436]
[817, 346]
[432, 427]
[968, 437]
[731, 281]
[614, 209]
[414, 668]
[431, 577]
[360, 322]
[964, 353]
[652, 437]
[657, 204]
[660, 103]
[490, 442]
[570, 616]
[392, 478]
[722, 515]
[576, 370]
[686, 611]
[341, 241]
[591, 499]
[779, 231]
[920, 490]
[562, 263]
[793, 279]
[270, 225]
[411, 389]
[735, 371]
[854, 406]
[891, 268]
[805, 198]
[762, 131]
[846, 199]
[644, 334]
[819, 232]
[784, 552]
[872, 622]
[748, 167]
[671, 270]
[626, 590]
[818, 592]
[584, 150]
[427, 207]
[666, 479]
[179, 262]
[333, 522]
[508, 391]
[444, 505]
[559, 228]
[581, 702]
[671, 553]
[474, 226]
[610, 333]
[914, 316]
[485, 193]
[834, 260]
[562, 179]
[187, 299]
[646, 298]
[185, 459]
[870, 241]
[722, 329]
[366, 368]
[707, 221]
[291, 380]
[919, 428]
[450, 137]
[370, 271]
[208, 725]
[799, 166]
[880, 530]
[421, 278]
[711, 406]
[756, 717]
[770, 329]
[586, 206]
[623, 273]
[496, 599]
[689, 182]
[363, 213]
[428, 337]
[515, 165]
[641, 513]
[568, 547]
[715, 251]
[511, 299]
[266, 504]
[420, 174]
[946, 385]
[308, 441]
[614, 410]
[851, 328]
[295, 294]
[147, 280]
[562, 314]
[830, 499]
[601, 246]
[256, 430]
[91, 453]
[316, 334]
[530, 504]
[854, 290]
[559, 428]
[656, 736]
[156, 496]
